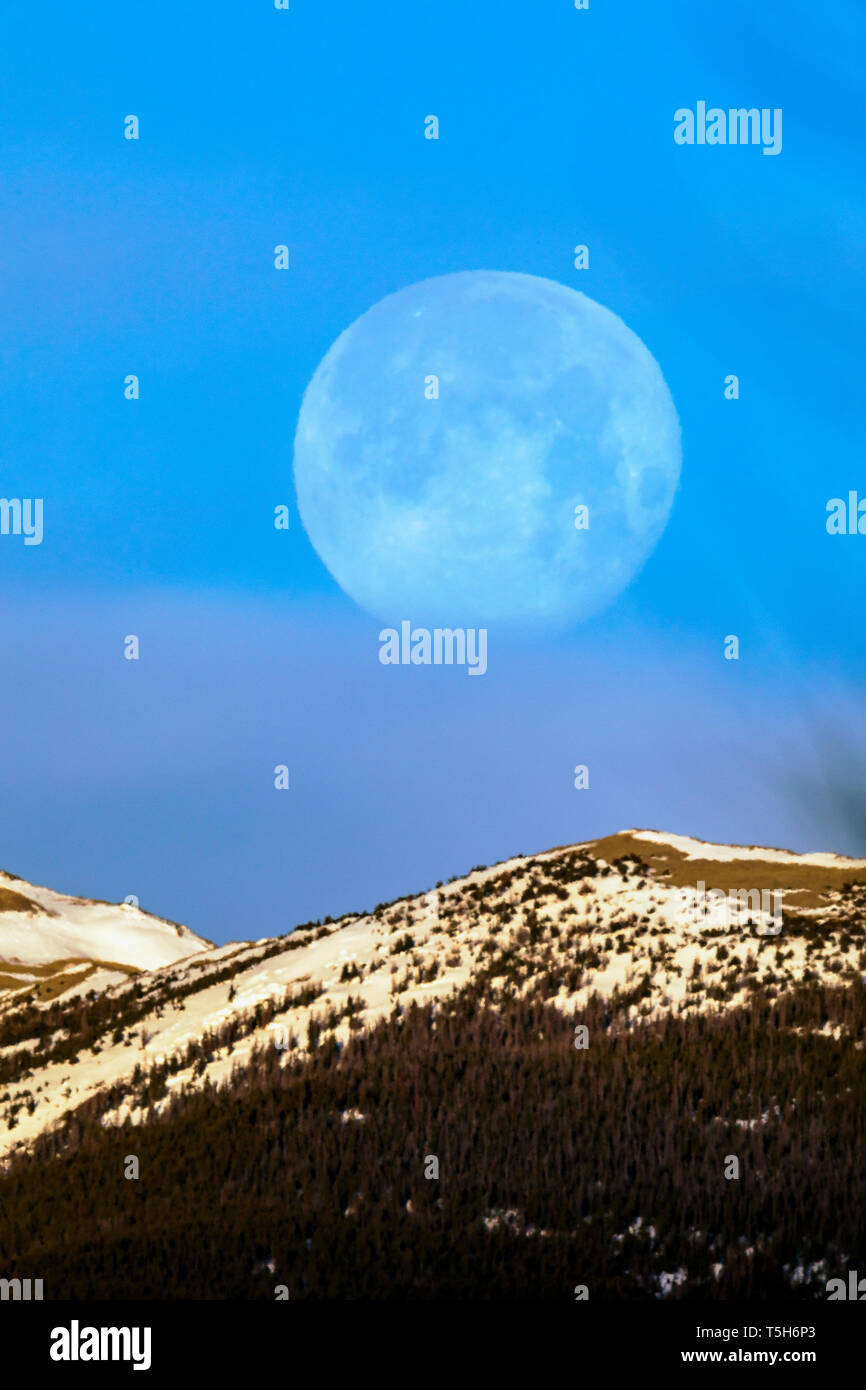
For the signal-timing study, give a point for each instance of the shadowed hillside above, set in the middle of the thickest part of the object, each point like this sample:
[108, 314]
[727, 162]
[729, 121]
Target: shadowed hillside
[552, 1073]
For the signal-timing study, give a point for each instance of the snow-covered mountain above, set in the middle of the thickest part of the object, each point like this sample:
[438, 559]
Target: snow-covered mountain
[52, 944]
[632, 918]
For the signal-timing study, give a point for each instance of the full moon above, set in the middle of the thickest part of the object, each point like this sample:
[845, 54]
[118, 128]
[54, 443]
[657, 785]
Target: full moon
[486, 447]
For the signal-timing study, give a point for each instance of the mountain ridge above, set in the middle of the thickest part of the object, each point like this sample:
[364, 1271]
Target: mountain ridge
[607, 918]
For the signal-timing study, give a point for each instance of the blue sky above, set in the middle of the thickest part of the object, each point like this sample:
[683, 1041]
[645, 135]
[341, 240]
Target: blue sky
[156, 257]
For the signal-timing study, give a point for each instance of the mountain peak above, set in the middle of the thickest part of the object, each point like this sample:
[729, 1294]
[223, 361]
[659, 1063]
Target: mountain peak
[51, 942]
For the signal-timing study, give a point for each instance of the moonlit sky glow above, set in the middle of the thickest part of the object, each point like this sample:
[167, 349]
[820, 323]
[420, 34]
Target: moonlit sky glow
[156, 257]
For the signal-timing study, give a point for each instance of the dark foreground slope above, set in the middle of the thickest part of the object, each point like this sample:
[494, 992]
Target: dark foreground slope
[601, 1166]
